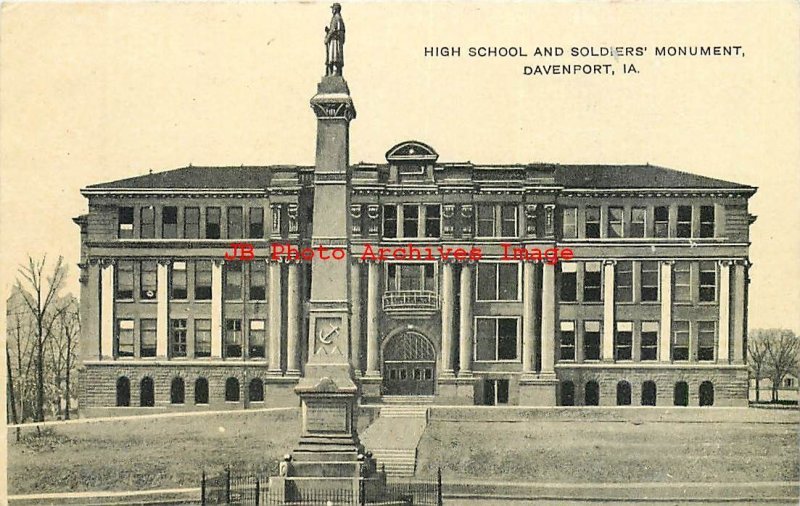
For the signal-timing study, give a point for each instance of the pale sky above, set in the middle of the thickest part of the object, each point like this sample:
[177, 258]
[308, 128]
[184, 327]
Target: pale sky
[96, 92]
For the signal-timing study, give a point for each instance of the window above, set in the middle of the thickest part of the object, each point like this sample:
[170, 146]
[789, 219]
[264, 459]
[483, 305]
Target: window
[684, 226]
[649, 393]
[496, 339]
[592, 226]
[615, 222]
[706, 337]
[623, 281]
[706, 221]
[389, 221]
[258, 281]
[147, 337]
[683, 282]
[661, 221]
[708, 281]
[649, 288]
[178, 290]
[649, 345]
[508, 221]
[257, 340]
[148, 280]
[213, 216]
[788, 382]
[591, 340]
[569, 223]
[498, 281]
[201, 391]
[592, 394]
[256, 390]
[124, 338]
[638, 221]
[623, 341]
[567, 340]
[433, 220]
[125, 231]
[680, 396]
[591, 282]
[680, 341]
[232, 390]
[495, 391]
[410, 277]
[233, 281]
[567, 393]
[177, 391]
[177, 338]
[147, 226]
[569, 282]
[191, 223]
[496, 220]
[202, 280]
[124, 289]
[123, 392]
[202, 338]
[255, 230]
[410, 220]
[235, 223]
[485, 220]
[706, 393]
[233, 338]
[169, 222]
[623, 393]
[147, 395]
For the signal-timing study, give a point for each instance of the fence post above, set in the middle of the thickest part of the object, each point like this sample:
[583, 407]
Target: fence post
[362, 491]
[439, 501]
[203, 489]
[258, 492]
[227, 485]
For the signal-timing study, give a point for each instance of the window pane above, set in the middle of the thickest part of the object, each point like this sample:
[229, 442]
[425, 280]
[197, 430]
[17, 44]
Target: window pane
[432, 220]
[567, 340]
[125, 338]
[638, 216]
[169, 222]
[147, 225]
[661, 223]
[569, 223]
[485, 339]
[202, 280]
[148, 280]
[706, 221]
[147, 337]
[683, 288]
[592, 230]
[389, 221]
[256, 228]
[615, 222]
[257, 339]
[649, 346]
[410, 221]
[708, 281]
[191, 223]
[591, 340]
[213, 215]
[202, 338]
[234, 223]
[508, 282]
[508, 221]
[680, 340]
[125, 215]
[623, 281]
[124, 288]
[591, 282]
[487, 281]
[623, 341]
[233, 338]
[569, 282]
[178, 287]
[684, 227]
[485, 217]
[233, 281]
[506, 339]
[258, 281]
[650, 274]
[706, 340]
[177, 339]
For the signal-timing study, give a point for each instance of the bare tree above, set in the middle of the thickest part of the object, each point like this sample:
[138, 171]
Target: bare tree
[782, 348]
[757, 357]
[61, 351]
[40, 293]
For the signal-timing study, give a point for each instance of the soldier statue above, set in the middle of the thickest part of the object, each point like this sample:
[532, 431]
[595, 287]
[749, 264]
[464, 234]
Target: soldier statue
[334, 43]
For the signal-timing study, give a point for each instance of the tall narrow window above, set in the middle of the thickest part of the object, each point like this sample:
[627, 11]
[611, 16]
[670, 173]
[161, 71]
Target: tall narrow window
[706, 221]
[683, 285]
[433, 220]
[147, 224]
[257, 339]
[569, 223]
[147, 395]
[191, 223]
[623, 281]
[661, 221]
[708, 281]
[201, 391]
[649, 281]
[177, 391]
[147, 337]
[233, 281]
[592, 226]
[202, 280]
[410, 220]
[256, 390]
[125, 215]
[233, 338]
[178, 286]
[258, 280]
[124, 288]
[684, 225]
[148, 280]
[649, 346]
[232, 390]
[124, 338]
[591, 282]
[567, 342]
[706, 340]
[508, 221]
[569, 282]
[177, 338]
[255, 230]
[496, 339]
[123, 392]
[591, 340]
[623, 341]
[235, 223]
[390, 221]
[615, 222]
[169, 222]
[202, 338]
[638, 221]
[213, 218]
[680, 341]
[485, 220]
[498, 281]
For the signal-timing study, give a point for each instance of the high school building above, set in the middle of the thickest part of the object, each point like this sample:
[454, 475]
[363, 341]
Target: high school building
[652, 309]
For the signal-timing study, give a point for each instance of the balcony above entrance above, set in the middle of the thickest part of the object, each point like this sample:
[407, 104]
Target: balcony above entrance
[410, 303]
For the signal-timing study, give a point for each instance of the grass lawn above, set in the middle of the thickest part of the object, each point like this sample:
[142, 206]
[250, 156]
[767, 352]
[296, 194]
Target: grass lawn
[575, 448]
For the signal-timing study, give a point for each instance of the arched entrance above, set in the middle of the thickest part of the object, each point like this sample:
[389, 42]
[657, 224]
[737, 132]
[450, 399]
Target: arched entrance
[409, 362]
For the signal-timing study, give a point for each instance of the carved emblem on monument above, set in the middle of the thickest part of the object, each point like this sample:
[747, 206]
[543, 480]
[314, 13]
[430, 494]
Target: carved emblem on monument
[328, 333]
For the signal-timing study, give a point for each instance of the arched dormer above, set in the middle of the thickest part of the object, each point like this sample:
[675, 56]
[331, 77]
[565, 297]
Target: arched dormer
[411, 161]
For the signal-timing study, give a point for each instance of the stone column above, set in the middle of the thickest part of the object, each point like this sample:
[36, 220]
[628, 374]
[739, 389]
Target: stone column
[665, 331]
[275, 317]
[373, 315]
[465, 324]
[739, 310]
[216, 308]
[528, 316]
[355, 317]
[448, 312]
[293, 303]
[162, 310]
[107, 310]
[548, 337]
[608, 310]
[723, 354]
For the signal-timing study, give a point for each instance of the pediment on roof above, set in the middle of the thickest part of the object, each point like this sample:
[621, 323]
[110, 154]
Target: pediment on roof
[410, 151]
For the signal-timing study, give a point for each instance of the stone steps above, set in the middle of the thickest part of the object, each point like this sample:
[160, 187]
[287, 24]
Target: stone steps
[405, 411]
[407, 399]
[397, 462]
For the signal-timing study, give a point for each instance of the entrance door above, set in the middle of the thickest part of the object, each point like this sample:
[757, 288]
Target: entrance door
[409, 362]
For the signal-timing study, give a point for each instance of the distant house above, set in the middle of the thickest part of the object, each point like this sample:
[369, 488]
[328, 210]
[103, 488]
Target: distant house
[789, 390]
